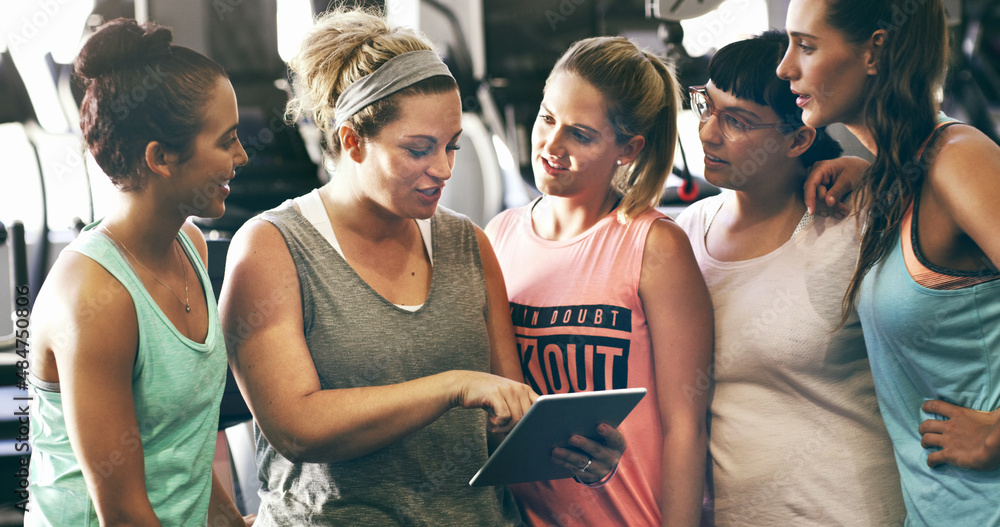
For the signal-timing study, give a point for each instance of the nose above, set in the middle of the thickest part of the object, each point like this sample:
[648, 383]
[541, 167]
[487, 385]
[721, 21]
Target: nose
[709, 131]
[441, 164]
[241, 156]
[786, 68]
[552, 143]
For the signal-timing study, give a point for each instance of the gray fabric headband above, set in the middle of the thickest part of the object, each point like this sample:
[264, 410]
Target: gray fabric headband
[395, 74]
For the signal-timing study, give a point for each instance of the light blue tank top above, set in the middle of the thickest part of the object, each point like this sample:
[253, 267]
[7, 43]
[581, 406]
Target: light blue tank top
[177, 387]
[928, 344]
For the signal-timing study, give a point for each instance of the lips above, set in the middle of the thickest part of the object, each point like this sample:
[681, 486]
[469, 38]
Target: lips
[713, 161]
[552, 168]
[802, 99]
[430, 194]
[224, 185]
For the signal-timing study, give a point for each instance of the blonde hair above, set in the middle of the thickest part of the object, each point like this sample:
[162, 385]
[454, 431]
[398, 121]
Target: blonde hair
[641, 96]
[343, 46]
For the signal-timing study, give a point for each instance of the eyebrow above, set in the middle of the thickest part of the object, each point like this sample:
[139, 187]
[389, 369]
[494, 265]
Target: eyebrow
[430, 138]
[737, 109]
[577, 126]
[799, 34]
[734, 109]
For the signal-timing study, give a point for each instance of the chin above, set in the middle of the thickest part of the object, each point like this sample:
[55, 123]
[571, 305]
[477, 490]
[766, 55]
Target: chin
[425, 216]
[551, 186]
[212, 213]
[724, 179]
[813, 119]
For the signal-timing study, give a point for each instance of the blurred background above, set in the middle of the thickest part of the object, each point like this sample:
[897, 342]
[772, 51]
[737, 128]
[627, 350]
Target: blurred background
[500, 51]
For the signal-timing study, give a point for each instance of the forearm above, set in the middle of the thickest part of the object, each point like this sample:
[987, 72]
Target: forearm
[126, 512]
[335, 425]
[684, 454]
[221, 508]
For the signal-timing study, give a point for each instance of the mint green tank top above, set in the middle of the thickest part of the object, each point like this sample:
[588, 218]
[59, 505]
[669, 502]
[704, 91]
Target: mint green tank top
[177, 386]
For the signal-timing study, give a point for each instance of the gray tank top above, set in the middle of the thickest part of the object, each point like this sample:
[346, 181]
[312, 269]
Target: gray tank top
[358, 338]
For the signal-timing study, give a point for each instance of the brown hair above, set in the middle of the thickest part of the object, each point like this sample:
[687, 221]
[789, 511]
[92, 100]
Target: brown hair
[642, 97]
[900, 108]
[140, 88]
[343, 46]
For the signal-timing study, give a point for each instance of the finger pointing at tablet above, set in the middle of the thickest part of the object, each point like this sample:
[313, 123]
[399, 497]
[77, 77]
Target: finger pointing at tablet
[505, 400]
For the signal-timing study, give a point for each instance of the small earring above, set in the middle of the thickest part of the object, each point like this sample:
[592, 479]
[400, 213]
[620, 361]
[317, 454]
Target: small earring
[618, 162]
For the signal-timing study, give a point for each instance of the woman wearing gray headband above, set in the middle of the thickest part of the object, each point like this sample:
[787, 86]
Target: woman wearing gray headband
[358, 315]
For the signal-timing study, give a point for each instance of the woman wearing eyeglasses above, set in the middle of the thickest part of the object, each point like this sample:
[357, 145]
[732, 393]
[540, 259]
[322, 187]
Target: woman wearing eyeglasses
[795, 433]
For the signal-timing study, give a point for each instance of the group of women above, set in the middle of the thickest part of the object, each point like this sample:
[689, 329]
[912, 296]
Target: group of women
[367, 327]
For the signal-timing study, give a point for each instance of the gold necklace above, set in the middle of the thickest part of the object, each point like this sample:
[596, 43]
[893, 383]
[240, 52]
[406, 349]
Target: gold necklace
[187, 299]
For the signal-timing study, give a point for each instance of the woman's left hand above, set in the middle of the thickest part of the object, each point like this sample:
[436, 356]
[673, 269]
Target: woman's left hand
[595, 459]
[830, 182]
[967, 439]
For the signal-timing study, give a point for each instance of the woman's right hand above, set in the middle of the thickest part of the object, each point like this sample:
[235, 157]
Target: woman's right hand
[505, 400]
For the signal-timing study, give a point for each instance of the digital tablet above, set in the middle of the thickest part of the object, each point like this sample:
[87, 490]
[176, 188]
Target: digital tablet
[526, 453]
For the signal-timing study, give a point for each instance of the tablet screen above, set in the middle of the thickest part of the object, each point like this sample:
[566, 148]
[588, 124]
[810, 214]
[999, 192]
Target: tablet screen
[525, 454]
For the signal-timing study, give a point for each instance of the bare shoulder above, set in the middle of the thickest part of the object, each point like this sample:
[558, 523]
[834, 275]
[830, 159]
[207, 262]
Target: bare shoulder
[965, 148]
[667, 238]
[82, 308]
[965, 171]
[261, 277]
[78, 287]
[258, 240]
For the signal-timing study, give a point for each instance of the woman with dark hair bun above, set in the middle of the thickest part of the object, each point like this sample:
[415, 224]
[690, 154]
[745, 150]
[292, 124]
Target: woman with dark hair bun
[130, 358]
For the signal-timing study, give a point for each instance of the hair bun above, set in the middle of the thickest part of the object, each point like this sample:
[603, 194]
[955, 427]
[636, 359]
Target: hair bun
[122, 43]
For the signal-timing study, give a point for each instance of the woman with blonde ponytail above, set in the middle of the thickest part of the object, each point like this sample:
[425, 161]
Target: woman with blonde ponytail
[926, 287]
[605, 291]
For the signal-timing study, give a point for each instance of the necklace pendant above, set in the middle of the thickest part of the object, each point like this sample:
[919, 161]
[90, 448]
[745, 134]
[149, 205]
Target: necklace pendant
[187, 307]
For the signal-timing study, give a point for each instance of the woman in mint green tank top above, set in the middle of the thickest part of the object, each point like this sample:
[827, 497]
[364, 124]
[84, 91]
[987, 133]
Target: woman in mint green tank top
[926, 286]
[130, 360]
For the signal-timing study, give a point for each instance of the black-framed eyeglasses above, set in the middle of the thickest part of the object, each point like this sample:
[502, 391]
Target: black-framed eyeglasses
[732, 125]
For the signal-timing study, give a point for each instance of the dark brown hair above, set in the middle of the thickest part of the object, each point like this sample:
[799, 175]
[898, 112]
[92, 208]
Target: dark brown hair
[746, 69]
[900, 108]
[140, 88]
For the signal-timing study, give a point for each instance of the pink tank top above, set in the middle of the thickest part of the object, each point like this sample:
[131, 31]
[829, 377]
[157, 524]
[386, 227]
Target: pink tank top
[580, 326]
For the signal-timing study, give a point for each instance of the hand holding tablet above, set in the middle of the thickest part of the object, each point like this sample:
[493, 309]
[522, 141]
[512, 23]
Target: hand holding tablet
[526, 454]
